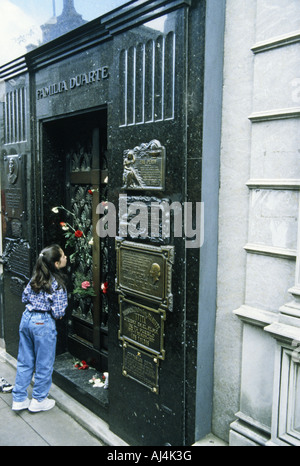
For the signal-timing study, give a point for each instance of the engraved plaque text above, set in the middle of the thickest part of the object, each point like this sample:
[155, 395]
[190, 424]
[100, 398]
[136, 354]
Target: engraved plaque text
[142, 326]
[145, 270]
[141, 367]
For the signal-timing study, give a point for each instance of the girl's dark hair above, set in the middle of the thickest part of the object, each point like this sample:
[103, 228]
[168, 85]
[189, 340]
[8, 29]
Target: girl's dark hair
[45, 270]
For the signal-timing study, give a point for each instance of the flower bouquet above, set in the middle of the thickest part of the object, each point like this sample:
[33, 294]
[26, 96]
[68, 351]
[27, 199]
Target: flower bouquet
[100, 381]
[81, 365]
[81, 256]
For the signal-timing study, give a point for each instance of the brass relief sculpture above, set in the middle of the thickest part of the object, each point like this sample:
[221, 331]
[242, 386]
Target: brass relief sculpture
[144, 275]
[144, 167]
[145, 271]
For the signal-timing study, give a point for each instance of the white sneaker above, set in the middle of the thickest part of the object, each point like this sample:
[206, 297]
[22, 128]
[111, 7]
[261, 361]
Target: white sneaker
[45, 405]
[5, 386]
[19, 405]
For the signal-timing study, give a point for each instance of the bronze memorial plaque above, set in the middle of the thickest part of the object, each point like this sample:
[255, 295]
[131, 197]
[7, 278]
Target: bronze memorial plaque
[141, 367]
[144, 167]
[145, 271]
[142, 326]
[13, 186]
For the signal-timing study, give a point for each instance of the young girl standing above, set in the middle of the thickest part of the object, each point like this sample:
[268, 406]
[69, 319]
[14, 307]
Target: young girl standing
[45, 297]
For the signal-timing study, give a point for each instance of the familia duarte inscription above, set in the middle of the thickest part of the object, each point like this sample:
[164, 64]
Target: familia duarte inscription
[73, 82]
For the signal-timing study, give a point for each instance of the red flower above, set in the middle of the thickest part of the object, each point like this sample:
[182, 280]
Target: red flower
[82, 365]
[90, 191]
[62, 224]
[104, 287]
[78, 233]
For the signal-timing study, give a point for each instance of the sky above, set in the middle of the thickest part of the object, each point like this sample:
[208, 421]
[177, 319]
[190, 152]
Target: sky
[20, 21]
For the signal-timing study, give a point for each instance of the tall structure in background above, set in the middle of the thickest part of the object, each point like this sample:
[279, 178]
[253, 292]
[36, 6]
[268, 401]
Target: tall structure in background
[58, 25]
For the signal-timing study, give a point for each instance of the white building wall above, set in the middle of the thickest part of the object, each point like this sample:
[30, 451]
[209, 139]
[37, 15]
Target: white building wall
[2, 344]
[233, 208]
[258, 220]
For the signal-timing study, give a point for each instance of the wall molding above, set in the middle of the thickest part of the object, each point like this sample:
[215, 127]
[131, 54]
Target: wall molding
[274, 183]
[136, 13]
[284, 332]
[13, 68]
[273, 251]
[294, 290]
[291, 309]
[255, 316]
[276, 114]
[276, 42]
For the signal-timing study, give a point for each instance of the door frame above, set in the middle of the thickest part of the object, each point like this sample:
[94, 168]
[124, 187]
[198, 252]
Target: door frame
[54, 125]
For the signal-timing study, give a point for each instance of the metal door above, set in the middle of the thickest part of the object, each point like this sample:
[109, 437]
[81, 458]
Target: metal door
[75, 182]
[87, 185]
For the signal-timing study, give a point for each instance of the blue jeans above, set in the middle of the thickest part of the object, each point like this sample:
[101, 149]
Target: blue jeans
[36, 353]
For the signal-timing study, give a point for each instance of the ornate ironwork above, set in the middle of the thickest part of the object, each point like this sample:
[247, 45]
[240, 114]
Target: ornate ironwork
[81, 206]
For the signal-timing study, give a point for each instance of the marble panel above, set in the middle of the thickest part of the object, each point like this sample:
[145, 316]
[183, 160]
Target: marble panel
[275, 151]
[257, 375]
[268, 281]
[276, 75]
[273, 218]
[276, 17]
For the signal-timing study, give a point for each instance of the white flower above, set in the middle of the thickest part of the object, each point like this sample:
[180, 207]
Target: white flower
[98, 383]
[55, 210]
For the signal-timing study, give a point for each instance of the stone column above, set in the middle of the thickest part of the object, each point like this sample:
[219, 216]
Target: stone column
[286, 391]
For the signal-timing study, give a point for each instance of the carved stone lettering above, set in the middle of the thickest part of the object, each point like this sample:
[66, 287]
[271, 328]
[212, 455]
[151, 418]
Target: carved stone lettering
[73, 82]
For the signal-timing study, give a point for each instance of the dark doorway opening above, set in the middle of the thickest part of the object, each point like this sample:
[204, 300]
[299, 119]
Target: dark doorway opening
[75, 180]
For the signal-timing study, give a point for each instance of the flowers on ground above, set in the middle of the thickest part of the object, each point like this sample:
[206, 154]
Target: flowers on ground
[100, 381]
[82, 365]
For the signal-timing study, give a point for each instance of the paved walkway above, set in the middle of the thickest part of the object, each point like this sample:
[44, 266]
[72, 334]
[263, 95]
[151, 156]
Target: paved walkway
[67, 424]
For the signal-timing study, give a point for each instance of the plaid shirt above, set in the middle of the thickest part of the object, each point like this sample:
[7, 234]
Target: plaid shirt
[55, 303]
